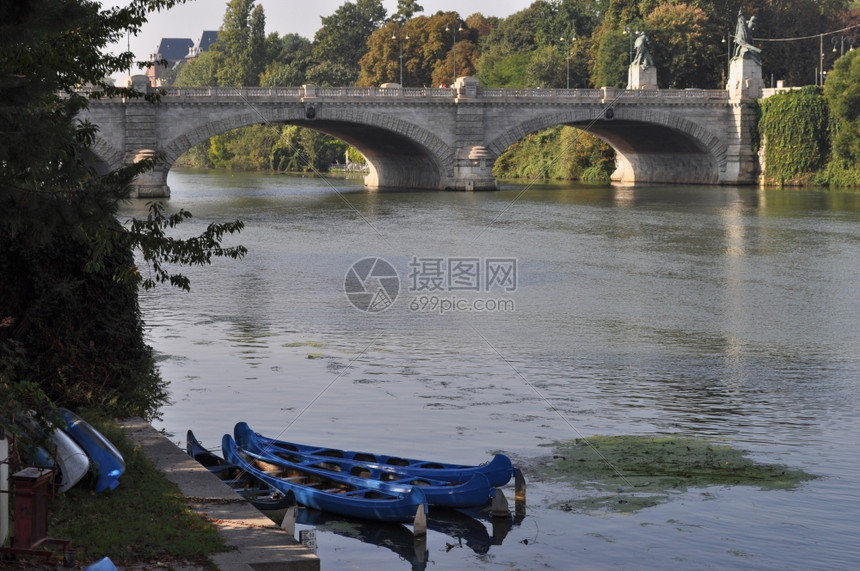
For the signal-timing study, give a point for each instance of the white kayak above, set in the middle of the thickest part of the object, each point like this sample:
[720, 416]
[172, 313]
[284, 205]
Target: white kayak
[71, 459]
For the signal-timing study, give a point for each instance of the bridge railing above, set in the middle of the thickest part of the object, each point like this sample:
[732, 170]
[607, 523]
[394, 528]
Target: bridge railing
[414, 93]
[385, 92]
[248, 92]
[537, 92]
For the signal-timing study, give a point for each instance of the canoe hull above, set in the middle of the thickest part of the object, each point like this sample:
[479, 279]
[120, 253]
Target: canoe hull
[338, 497]
[498, 471]
[106, 459]
[262, 496]
[474, 491]
[71, 458]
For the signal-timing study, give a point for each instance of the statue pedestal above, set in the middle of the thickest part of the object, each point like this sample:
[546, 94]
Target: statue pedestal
[745, 80]
[638, 78]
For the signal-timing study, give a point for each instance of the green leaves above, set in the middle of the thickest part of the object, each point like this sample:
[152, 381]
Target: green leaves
[71, 331]
[160, 250]
[794, 126]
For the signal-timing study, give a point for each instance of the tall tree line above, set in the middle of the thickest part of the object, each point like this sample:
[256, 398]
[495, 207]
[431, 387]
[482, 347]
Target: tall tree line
[587, 42]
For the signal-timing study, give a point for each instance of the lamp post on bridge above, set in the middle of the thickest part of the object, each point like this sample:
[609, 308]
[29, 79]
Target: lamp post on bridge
[821, 59]
[448, 28]
[727, 40]
[400, 37]
[629, 32]
[841, 41]
[567, 59]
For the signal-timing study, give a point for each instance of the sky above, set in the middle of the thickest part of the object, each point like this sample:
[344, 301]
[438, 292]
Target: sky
[282, 16]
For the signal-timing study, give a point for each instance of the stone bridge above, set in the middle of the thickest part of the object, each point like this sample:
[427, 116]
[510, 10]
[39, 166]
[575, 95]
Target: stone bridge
[447, 138]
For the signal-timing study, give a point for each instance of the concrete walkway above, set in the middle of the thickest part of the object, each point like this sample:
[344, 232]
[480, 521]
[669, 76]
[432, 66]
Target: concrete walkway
[258, 544]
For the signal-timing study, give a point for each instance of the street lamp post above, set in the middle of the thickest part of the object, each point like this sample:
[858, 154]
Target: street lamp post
[841, 41]
[629, 33]
[821, 59]
[567, 59]
[448, 28]
[400, 37]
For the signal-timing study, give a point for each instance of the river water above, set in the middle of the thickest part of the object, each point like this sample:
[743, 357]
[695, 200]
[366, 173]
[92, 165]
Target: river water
[527, 316]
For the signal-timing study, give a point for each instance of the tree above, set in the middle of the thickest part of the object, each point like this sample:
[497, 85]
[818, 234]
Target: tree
[547, 68]
[428, 54]
[406, 9]
[331, 74]
[794, 61]
[531, 47]
[202, 71]
[381, 62]
[681, 49]
[611, 58]
[842, 91]
[71, 332]
[342, 40]
[467, 54]
[495, 70]
[242, 43]
[289, 59]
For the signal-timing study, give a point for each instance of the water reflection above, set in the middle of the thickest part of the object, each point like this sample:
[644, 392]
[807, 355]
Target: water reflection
[459, 528]
[395, 537]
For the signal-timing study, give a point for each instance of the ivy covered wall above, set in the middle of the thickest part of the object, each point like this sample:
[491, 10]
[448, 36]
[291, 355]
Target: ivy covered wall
[794, 129]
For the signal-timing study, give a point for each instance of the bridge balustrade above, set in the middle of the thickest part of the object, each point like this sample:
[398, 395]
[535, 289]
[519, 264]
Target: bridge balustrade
[412, 93]
[295, 92]
[509, 92]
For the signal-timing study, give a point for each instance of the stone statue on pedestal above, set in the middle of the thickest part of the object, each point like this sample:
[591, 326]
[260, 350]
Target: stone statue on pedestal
[745, 80]
[641, 74]
[641, 56]
[744, 48]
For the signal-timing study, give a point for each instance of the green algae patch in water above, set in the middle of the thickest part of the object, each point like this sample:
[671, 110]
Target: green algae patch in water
[628, 473]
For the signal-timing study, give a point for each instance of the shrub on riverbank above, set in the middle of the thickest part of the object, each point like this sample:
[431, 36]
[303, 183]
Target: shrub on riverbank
[812, 135]
[794, 127]
[557, 153]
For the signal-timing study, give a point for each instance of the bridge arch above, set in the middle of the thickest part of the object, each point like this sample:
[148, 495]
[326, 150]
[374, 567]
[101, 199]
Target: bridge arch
[108, 157]
[650, 145]
[399, 153]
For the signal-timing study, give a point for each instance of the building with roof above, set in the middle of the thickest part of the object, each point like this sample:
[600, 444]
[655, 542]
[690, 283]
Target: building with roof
[174, 51]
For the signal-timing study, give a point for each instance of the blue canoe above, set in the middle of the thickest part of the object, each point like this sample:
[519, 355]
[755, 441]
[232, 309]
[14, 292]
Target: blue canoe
[474, 491]
[498, 471]
[270, 501]
[329, 494]
[106, 459]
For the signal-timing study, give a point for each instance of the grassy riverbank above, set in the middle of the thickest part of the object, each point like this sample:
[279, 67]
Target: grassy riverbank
[145, 520]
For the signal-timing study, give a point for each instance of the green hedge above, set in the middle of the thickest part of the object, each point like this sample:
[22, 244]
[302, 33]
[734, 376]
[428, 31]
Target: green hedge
[794, 127]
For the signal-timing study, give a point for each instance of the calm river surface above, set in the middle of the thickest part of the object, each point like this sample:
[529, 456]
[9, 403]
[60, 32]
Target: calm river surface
[721, 312]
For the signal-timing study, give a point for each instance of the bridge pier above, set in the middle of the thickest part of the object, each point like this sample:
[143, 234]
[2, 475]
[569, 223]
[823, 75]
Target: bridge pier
[141, 141]
[473, 167]
[474, 170]
[151, 184]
